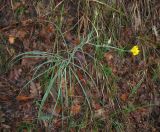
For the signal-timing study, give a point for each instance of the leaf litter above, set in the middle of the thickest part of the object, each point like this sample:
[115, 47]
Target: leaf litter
[30, 31]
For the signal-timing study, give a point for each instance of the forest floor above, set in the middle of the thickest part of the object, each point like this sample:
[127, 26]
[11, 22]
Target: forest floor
[80, 65]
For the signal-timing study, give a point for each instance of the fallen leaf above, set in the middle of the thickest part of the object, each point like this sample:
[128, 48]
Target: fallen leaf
[28, 62]
[96, 106]
[45, 34]
[26, 22]
[4, 126]
[72, 129]
[80, 57]
[15, 74]
[75, 109]
[50, 28]
[69, 21]
[35, 89]
[57, 123]
[21, 34]
[23, 98]
[11, 39]
[58, 109]
[16, 5]
[76, 41]
[145, 110]
[108, 56]
[99, 113]
[81, 78]
[68, 36]
[124, 97]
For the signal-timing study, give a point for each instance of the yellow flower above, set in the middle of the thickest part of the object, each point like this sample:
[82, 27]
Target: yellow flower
[135, 50]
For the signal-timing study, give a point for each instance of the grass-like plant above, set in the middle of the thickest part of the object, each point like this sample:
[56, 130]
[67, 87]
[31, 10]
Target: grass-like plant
[101, 22]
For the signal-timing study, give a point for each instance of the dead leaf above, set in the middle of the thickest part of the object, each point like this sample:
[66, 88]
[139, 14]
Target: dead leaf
[23, 98]
[21, 34]
[99, 113]
[11, 39]
[81, 78]
[57, 123]
[96, 106]
[72, 130]
[75, 109]
[29, 61]
[124, 97]
[69, 21]
[108, 56]
[16, 5]
[45, 34]
[15, 74]
[143, 110]
[26, 22]
[4, 126]
[35, 89]
[76, 41]
[80, 57]
[68, 36]
[50, 28]
[58, 109]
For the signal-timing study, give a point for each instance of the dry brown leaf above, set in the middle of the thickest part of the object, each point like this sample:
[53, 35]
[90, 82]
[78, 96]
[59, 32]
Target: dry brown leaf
[16, 5]
[72, 130]
[96, 106]
[29, 61]
[57, 123]
[43, 33]
[23, 98]
[21, 34]
[108, 56]
[58, 109]
[50, 28]
[76, 41]
[15, 74]
[11, 39]
[145, 110]
[68, 37]
[26, 22]
[124, 97]
[99, 113]
[35, 89]
[81, 78]
[69, 21]
[75, 109]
